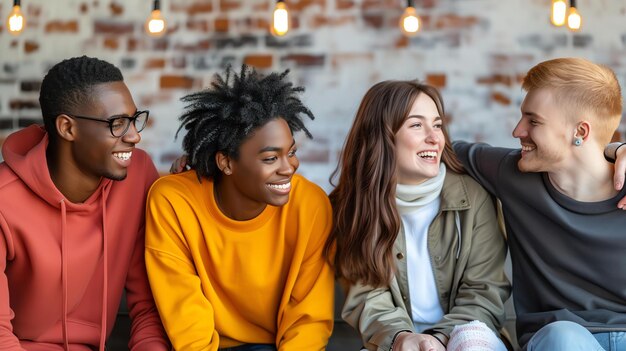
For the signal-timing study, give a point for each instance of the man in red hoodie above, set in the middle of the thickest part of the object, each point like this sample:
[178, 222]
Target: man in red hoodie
[72, 202]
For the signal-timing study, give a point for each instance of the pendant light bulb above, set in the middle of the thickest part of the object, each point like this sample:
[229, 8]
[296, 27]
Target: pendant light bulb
[409, 22]
[559, 11]
[155, 25]
[574, 20]
[16, 21]
[280, 19]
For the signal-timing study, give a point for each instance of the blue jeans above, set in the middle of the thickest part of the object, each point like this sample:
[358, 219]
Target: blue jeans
[251, 347]
[569, 336]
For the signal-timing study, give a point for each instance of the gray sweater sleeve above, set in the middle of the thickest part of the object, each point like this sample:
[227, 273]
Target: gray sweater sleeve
[610, 151]
[482, 162]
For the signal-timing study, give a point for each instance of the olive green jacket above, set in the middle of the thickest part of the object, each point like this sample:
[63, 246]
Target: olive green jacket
[467, 251]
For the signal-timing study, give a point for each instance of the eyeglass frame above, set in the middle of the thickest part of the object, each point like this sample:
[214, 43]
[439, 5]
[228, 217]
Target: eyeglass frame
[112, 119]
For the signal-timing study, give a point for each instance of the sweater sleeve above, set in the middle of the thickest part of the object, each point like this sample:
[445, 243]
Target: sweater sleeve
[147, 332]
[484, 286]
[187, 315]
[8, 340]
[373, 313]
[482, 162]
[307, 319]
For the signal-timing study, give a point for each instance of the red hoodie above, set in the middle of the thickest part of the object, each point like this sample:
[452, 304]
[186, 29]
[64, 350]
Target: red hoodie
[64, 266]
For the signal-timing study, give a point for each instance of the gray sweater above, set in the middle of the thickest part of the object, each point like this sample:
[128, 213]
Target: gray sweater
[569, 257]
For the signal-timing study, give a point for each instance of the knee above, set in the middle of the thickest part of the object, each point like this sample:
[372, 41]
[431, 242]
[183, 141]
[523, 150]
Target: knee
[561, 335]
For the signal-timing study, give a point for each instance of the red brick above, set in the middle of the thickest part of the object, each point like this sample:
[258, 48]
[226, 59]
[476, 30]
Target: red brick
[496, 79]
[132, 44]
[116, 9]
[33, 11]
[500, 98]
[117, 28]
[303, 60]
[379, 4]
[455, 21]
[221, 25]
[263, 6]
[314, 156]
[402, 42]
[254, 23]
[229, 5]
[155, 63]
[173, 82]
[321, 20]
[437, 80]
[259, 61]
[299, 5]
[344, 4]
[201, 45]
[84, 8]
[17, 104]
[198, 25]
[60, 27]
[30, 46]
[111, 43]
[198, 7]
[373, 20]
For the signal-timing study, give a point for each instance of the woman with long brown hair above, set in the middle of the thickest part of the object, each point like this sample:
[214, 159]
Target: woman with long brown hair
[416, 240]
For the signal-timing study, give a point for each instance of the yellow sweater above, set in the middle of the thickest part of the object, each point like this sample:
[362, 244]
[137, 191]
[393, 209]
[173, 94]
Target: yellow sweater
[219, 283]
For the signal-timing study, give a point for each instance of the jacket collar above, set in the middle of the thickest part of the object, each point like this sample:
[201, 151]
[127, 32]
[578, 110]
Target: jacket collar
[454, 193]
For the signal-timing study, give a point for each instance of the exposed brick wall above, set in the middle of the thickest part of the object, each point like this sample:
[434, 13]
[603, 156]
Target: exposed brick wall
[475, 51]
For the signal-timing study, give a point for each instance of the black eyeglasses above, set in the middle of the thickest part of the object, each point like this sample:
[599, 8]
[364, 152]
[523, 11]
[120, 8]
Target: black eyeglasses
[119, 125]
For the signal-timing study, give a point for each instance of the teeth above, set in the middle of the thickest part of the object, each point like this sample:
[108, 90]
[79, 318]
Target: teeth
[429, 154]
[527, 148]
[123, 155]
[280, 186]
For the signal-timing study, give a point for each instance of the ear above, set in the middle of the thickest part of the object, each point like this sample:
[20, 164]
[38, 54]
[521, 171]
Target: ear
[223, 163]
[65, 127]
[583, 129]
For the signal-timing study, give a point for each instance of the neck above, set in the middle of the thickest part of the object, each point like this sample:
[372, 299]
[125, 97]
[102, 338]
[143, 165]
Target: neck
[233, 205]
[587, 178]
[67, 177]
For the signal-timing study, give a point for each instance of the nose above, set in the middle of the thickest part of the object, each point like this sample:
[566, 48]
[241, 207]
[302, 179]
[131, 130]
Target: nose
[288, 165]
[520, 130]
[432, 137]
[132, 136]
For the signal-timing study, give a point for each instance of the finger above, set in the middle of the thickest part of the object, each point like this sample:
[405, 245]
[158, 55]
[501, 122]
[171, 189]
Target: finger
[622, 203]
[620, 170]
[426, 345]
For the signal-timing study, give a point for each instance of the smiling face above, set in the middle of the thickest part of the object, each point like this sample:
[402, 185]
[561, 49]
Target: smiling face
[95, 152]
[261, 174]
[419, 143]
[545, 134]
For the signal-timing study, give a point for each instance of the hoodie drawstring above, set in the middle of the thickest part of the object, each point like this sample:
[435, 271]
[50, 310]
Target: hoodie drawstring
[457, 220]
[64, 274]
[103, 321]
[103, 325]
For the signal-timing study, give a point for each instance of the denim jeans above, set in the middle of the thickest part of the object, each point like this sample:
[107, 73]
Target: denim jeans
[251, 347]
[569, 336]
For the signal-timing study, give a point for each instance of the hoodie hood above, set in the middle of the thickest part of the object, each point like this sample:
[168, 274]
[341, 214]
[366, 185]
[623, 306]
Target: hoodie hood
[25, 153]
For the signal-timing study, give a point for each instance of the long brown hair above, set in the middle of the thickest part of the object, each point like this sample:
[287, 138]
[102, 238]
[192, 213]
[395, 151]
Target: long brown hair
[365, 218]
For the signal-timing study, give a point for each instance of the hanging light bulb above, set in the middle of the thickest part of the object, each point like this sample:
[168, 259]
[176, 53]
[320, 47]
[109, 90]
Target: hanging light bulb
[574, 21]
[280, 19]
[155, 25]
[559, 10]
[15, 21]
[409, 22]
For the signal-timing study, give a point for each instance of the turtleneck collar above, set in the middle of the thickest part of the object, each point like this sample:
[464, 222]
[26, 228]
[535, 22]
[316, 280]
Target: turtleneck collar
[411, 197]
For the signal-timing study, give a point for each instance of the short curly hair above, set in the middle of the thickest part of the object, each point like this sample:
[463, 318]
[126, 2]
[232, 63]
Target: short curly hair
[220, 118]
[69, 84]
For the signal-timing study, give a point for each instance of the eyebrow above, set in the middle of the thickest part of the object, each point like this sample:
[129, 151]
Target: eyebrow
[530, 113]
[275, 148]
[121, 115]
[423, 118]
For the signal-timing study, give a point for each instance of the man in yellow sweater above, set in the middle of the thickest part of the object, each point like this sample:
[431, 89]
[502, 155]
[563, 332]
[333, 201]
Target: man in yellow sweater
[234, 246]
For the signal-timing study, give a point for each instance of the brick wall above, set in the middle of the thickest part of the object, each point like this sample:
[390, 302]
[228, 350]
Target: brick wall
[476, 51]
